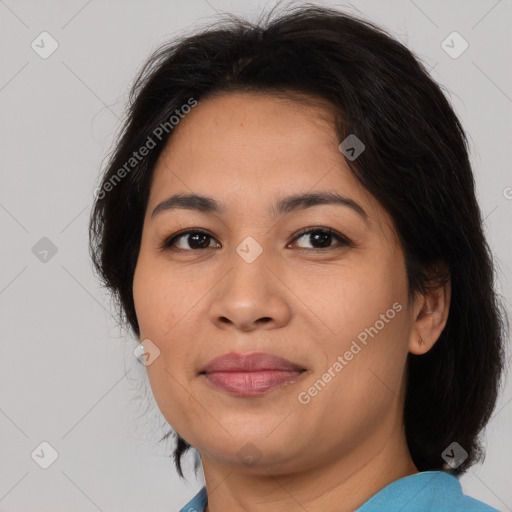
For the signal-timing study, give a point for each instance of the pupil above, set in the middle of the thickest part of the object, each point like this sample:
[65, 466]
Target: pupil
[197, 236]
[323, 238]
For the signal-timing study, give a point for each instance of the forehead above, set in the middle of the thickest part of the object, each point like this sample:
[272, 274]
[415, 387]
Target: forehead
[244, 125]
[255, 146]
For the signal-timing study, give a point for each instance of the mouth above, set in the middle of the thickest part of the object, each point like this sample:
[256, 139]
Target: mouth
[250, 374]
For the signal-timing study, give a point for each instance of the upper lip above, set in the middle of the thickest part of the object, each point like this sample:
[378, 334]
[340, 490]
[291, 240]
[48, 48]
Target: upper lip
[256, 361]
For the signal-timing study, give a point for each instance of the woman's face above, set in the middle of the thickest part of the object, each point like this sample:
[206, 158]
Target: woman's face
[250, 283]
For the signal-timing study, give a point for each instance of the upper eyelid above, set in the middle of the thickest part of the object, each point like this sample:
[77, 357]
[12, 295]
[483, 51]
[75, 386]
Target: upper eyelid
[302, 232]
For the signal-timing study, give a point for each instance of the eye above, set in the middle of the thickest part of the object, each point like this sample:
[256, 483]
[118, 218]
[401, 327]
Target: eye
[199, 239]
[323, 238]
[194, 238]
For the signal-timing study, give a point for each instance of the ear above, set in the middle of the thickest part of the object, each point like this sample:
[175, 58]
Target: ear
[430, 313]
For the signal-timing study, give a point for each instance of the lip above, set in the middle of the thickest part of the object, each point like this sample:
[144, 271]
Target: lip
[252, 362]
[250, 374]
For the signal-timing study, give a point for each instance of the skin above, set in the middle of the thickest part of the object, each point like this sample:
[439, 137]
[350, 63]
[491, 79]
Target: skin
[247, 150]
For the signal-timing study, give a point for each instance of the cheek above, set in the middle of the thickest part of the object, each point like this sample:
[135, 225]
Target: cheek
[172, 397]
[156, 298]
[364, 309]
[163, 305]
[352, 299]
[363, 374]
[161, 313]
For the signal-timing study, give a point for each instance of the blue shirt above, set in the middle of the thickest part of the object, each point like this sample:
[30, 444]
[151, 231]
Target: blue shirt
[426, 491]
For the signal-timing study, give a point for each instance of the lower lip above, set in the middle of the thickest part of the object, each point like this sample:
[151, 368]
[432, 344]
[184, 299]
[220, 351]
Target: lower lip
[252, 383]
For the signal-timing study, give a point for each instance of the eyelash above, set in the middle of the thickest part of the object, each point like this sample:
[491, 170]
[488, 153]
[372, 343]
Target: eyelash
[167, 244]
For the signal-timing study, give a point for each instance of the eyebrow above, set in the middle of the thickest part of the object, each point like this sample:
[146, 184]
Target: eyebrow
[205, 204]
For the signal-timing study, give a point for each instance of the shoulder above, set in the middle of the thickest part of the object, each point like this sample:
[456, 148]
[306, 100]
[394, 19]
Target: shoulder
[197, 503]
[469, 504]
[427, 491]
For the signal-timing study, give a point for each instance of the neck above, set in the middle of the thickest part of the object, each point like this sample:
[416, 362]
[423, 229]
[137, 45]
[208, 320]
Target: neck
[344, 482]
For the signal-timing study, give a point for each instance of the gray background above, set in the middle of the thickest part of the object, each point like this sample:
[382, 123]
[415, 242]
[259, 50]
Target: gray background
[68, 375]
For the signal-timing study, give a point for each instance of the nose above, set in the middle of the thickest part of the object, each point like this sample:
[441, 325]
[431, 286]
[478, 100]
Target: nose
[251, 296]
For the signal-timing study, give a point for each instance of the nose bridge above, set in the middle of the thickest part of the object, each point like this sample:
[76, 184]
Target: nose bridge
[250, 271]
[250, 292]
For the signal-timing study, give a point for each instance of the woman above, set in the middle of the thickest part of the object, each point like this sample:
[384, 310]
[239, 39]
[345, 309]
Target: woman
[289, 223]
